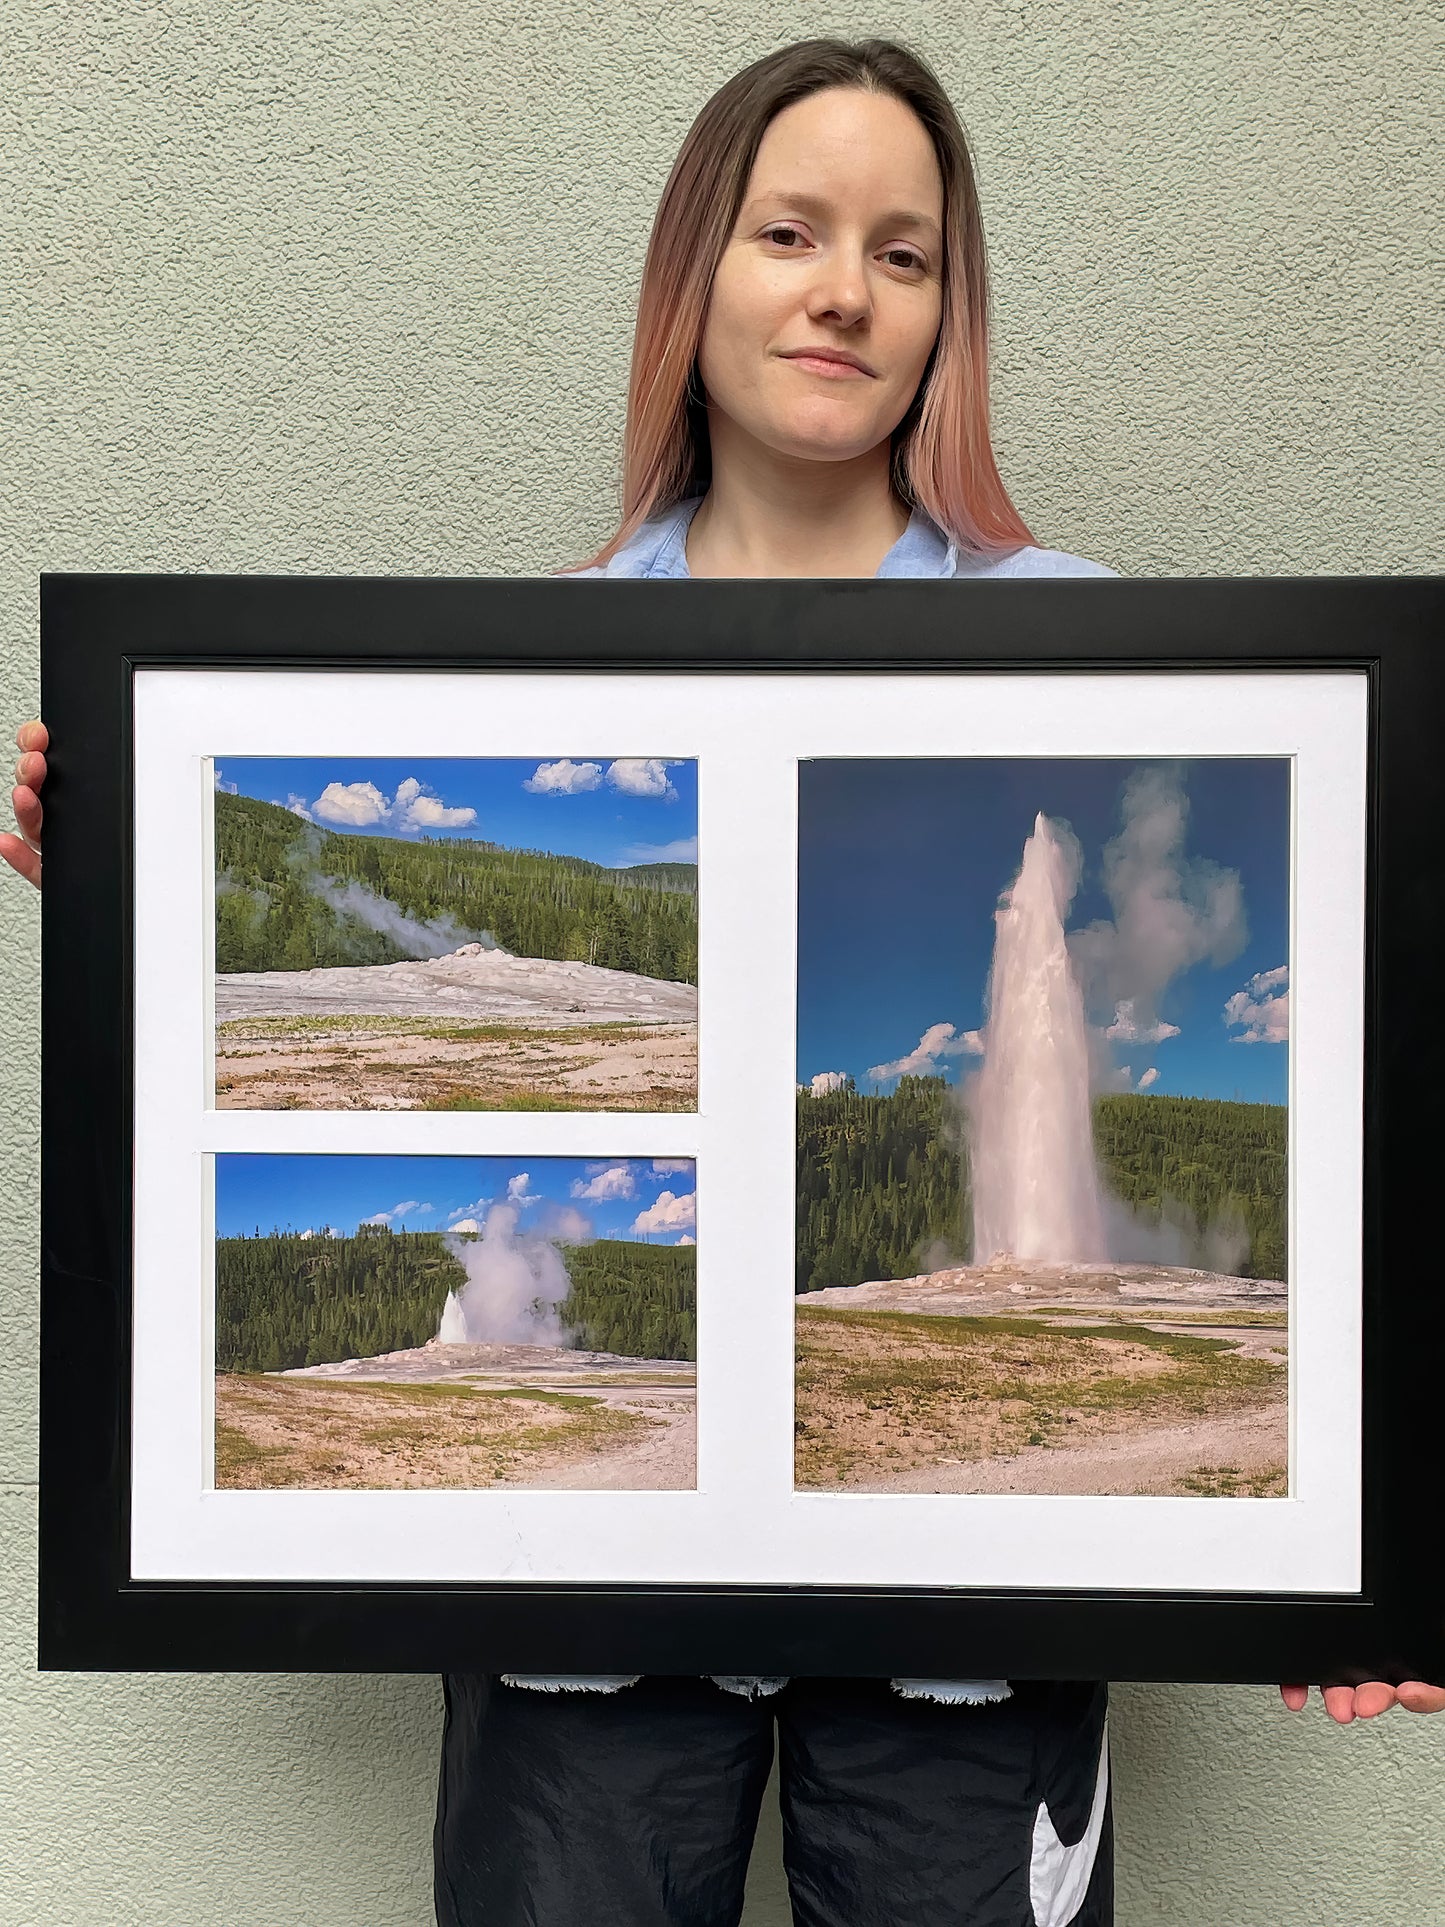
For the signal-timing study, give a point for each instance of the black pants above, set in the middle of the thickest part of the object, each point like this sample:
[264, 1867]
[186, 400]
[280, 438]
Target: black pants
[637, 1808]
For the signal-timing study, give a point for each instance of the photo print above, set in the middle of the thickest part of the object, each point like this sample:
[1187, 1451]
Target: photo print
[1043, 1022]
[484, 934]
[429, 1322]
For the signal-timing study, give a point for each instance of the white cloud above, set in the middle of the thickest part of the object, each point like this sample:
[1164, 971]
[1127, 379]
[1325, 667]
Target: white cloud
[1260, 1012]
[670, 1213]
[415, 808]
[477, 1209]
[1126, 1028]
[640, 776]
[687, 1239]
[519, 1189]
[1146, 1078]
[466, 1224]
[669, 1167]
[827, 1081]
[564, 778]
[613, 1181]
[682, 850]
[307, 1233]
[228, 789]
[357, 805]
[939, 1040]
[297, 807]
[408, 1208]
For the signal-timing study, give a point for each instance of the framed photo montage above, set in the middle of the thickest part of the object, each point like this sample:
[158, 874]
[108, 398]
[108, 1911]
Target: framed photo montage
[845, 1127]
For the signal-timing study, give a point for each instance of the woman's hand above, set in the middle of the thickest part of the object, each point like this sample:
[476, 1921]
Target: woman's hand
[1367, 1702]
[22, 852]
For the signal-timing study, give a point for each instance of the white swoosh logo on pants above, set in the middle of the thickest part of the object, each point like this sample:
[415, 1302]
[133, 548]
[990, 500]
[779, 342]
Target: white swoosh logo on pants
[1059, 1875]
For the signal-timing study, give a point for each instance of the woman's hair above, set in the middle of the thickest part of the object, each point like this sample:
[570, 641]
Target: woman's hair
[942, 455]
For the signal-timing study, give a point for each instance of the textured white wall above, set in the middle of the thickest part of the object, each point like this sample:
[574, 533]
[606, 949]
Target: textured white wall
[313, 285]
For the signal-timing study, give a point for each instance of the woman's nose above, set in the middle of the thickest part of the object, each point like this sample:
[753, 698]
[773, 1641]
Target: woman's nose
[840, 288]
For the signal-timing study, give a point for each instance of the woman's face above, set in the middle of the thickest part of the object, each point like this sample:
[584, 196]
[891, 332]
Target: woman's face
[838, 248]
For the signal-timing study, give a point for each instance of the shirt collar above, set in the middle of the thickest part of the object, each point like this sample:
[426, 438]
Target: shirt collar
[658, 548]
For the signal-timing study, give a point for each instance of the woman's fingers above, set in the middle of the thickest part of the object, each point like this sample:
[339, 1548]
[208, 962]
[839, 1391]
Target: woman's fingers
[30, 770]
[15, 851]
[1416, 1697]
[1373, 1698]
[32, 740]
[1339, 1703]
[1366, 1702]
[29, 815]
[22, 852]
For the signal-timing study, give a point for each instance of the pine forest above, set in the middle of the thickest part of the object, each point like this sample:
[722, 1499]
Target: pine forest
[292, 896]
[283, 1300]
[882, 1189]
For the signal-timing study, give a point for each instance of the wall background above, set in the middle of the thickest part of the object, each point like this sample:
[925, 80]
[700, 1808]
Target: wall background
[311, 285]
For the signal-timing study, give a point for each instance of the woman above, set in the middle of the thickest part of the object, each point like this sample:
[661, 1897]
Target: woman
[809, 397]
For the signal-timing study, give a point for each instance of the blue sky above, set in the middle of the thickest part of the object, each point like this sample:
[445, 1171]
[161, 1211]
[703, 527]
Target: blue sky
[616, 1197]
[615, 811]
[901, 863]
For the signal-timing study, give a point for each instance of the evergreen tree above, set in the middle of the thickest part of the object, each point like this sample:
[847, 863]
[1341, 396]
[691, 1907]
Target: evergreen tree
[283, 1300]
[882, 1191]
[270, 914]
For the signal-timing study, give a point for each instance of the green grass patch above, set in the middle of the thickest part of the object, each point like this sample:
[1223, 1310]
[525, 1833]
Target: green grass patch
[1242, 1320]
[966, 1330]
[975, 1386]
[311, 1026]
[1228, 1482]
[468, 1098]
[533, 1033]
[506, 1100]
[445, 1435]
[438, 1029]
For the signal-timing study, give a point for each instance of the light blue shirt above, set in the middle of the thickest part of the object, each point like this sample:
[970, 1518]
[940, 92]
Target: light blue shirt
[658, 552]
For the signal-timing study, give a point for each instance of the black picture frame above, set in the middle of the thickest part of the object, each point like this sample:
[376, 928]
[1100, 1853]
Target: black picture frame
[98, 630]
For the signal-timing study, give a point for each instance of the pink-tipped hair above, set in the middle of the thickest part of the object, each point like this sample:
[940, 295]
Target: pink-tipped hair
[943, 456]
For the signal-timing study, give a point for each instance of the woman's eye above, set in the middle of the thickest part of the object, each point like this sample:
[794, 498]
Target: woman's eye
[904, 258]
[773, 232]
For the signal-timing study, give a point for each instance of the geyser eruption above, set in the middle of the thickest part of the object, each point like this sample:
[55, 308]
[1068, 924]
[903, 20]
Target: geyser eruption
[514, 1290]
[1031, 1148]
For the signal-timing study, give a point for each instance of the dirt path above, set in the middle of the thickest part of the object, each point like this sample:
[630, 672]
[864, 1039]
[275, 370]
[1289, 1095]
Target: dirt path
[1069, 1394]
[1218, 1457]
[661, 1459]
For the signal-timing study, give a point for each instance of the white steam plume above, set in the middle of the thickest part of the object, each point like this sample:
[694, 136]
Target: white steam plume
[1031, 1151]
[433, 938]
[1170, 911]
[516, 1283]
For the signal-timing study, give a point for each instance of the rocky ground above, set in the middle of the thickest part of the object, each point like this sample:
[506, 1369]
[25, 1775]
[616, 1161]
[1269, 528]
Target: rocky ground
[462, 1415]
[1046, 1378]
[474, 1030]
